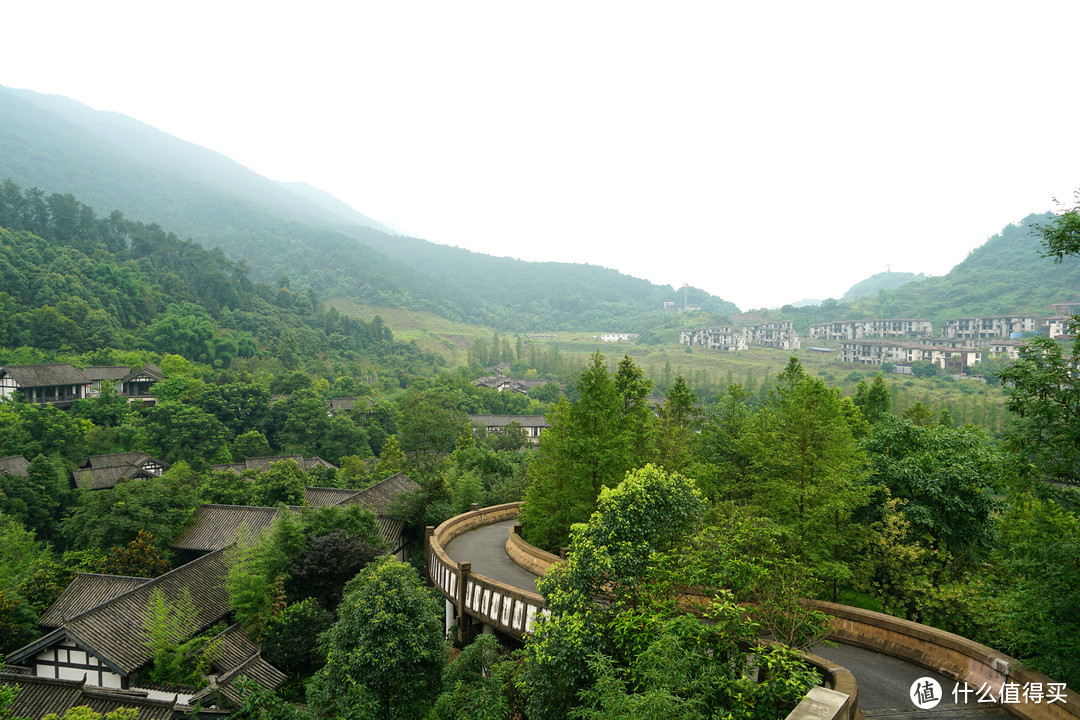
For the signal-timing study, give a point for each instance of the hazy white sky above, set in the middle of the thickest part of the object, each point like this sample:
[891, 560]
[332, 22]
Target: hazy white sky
[764, 151]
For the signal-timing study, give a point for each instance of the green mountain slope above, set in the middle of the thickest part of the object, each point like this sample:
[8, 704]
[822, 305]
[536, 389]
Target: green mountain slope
[1005, 275]
[39, 148]
[71, 282]
[880, 281]
[113, 162]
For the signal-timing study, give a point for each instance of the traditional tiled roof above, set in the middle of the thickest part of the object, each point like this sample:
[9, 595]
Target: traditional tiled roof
[14, 465]
[151, 371]
[504, 420]
[86, 591]
[114, 630]
[499, 382]
[235, 655]
[40, 696]
[45, 375]
[390, 530]
[323, 496]
[104, 471]
[106, 372]
[264, 463]
[381, 497]
[216, 526]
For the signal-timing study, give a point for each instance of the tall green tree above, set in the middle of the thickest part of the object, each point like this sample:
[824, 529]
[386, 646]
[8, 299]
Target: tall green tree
[185, 432]
[1043, 389]
[722, 449]
[620, 642]
[1032, 600]
[808, 469]
[676, 426]
[429, 424]
[1061, 236]
[388, 642]
[590, 445]
[106, 518]
[874, 399]
[945, 476]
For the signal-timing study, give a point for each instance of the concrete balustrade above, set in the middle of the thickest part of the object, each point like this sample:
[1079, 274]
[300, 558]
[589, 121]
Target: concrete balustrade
[947, 653]
[513, 611]
[528, 556]
[478, 598]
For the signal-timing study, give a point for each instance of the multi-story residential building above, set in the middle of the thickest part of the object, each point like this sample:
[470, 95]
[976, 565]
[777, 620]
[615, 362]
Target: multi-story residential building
[986, 328]
[724, 338]
[774, 334]
[1007, 347]
[858, 329]
[876, 352]
[1066, 308]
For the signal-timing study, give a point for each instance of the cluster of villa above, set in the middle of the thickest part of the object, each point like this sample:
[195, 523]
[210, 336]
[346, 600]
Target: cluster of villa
[962, 342]
[727, 338]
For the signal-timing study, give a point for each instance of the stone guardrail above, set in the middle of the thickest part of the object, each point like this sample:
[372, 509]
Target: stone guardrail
[839, 700]
[509, 609]
[528, 556]
[947, 653]
[944, 652]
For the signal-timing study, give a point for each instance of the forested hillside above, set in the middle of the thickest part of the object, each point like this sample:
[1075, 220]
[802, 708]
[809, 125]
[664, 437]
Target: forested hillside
[73, 282]
[113, 162]
[880, 281]
[1008, 274]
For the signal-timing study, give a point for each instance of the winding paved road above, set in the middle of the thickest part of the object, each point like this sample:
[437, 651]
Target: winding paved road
[884, 682]
[485, 548]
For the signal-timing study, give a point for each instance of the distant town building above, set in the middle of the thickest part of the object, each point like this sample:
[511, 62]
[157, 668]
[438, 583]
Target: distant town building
[724, 338]
[780, 335]
[1066, 308]
[858, 329]
[1007, 347]
[618, 337]
[986, 328]
[876, 352]
[533, 425]
[727, 338]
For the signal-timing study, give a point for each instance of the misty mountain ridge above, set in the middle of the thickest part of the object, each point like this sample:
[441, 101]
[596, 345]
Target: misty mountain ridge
[1007, 274]
[111, 161]
[295, 233]
[881, 281]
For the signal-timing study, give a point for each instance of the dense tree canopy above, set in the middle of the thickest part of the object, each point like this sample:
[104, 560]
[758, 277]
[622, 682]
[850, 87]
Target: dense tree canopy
[591, 445]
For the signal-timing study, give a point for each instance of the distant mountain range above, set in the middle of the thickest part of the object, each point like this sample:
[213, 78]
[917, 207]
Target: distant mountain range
[881, 281]
[1005, 275]
[297, 232]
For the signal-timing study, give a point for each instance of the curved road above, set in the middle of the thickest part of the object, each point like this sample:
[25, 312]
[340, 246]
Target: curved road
[485, 548]
[884, 682]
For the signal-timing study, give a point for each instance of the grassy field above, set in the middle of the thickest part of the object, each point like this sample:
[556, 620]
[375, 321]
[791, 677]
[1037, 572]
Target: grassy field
[707, 371]
[430, 332]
